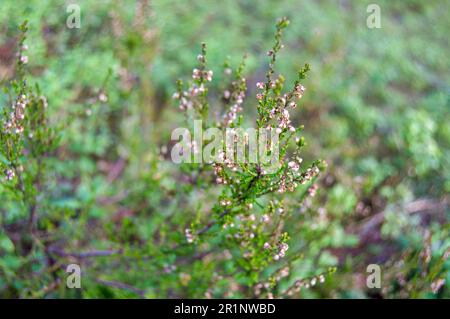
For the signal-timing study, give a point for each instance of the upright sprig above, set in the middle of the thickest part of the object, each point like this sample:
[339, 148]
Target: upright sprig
[195, 97]
[13, 117]
[26, 137]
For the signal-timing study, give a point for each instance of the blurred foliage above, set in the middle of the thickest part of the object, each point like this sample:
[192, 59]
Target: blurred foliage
[377, 110]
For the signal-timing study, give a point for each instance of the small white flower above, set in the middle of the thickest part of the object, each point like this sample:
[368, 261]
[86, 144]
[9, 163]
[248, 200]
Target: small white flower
[208, 75]
[195, 74]
[322, 278]
[24, 59]
[10, 174]
[189, 237]
[294, 166]
[102, 97]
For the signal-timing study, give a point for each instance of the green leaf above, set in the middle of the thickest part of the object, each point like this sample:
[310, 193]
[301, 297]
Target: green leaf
[6, 244]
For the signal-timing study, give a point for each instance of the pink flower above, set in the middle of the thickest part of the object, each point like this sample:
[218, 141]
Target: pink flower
[208, 75]
[10, 174]
[24, 59]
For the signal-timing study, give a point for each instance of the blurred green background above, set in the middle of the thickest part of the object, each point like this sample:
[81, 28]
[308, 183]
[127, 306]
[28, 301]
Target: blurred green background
[377, 109]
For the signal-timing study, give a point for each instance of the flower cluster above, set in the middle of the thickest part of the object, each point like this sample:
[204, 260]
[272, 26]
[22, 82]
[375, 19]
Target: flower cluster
[280, 111]
[299, 91]
[199, 74]
[23, 59]
[437, 285]
[195, 95]
[169, 268]
[236, 98]
[275, 278]
[282, 249]
[10, 174]
[312, 190]
[308, 282]
[15, 122]
[293, 177]
[187, 98]
[189, 236]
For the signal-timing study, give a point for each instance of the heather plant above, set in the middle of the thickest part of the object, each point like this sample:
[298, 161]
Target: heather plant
[138, 224]
[248, 219]
[243, 231]
[422, 272]
[27, 141]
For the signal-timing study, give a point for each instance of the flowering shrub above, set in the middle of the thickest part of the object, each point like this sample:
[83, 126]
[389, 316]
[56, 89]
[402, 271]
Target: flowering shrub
[249, 217]
[101, 190]
[26, 144]
[26, 140]
[244, 233]
[419, 273]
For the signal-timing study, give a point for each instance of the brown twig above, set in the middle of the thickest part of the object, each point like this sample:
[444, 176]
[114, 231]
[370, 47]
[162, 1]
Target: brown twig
[87, 254]
[121, 285]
